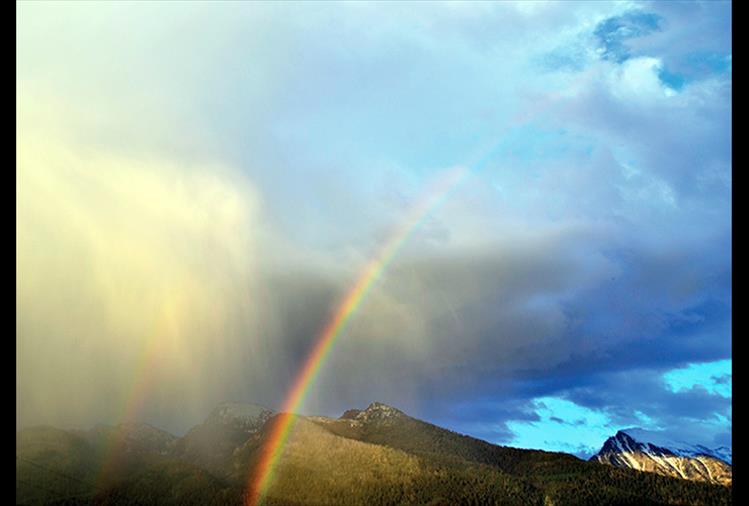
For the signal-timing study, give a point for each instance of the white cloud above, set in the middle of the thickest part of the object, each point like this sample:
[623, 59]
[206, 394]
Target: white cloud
[637, 79]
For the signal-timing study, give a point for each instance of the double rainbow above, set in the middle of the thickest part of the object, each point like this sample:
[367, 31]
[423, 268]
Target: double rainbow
[262, 474]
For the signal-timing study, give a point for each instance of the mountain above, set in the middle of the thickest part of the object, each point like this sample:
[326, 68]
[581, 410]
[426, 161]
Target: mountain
[54, 466]
[681, 448]
[377, 455]
[654, 452]
[384, 425]
[52, 463]
[211, 444]
[131, 438]
[321, 467]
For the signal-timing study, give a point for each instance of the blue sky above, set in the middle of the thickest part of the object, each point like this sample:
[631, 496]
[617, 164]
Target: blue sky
[236, 164]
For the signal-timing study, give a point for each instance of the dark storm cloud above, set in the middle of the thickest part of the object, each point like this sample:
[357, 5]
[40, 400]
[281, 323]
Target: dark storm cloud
[516, 325]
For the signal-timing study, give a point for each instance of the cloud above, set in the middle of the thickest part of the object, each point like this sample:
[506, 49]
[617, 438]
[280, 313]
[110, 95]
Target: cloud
[227, 187]
[614, 32]
[639, 79]
[715, 377]
[561, 433]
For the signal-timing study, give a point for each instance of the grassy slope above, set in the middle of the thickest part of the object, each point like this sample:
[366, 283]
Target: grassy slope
[319, 467]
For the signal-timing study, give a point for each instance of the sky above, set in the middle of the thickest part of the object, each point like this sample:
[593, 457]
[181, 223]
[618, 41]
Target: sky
[199, 184]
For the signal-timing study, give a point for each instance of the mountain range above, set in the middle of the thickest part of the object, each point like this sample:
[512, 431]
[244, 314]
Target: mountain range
[651, 451]
[378, 455]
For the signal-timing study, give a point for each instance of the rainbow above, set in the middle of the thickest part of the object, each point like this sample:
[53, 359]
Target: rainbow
[262, 474]
[165, 323]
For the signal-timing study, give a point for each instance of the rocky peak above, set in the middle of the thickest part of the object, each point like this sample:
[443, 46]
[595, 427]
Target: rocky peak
[379, 412]
[620, 442]
[244, 417]
[350, 414]
[653, 451]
